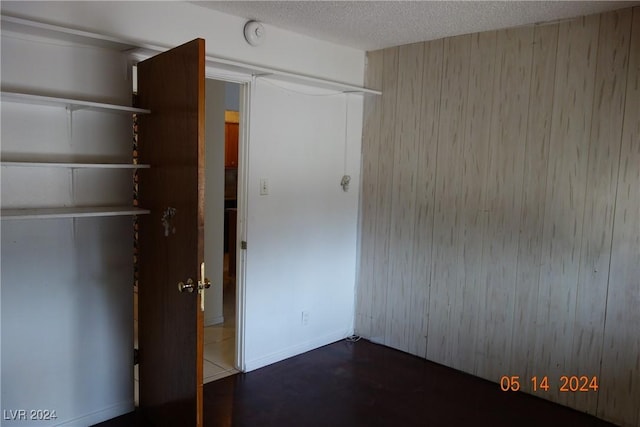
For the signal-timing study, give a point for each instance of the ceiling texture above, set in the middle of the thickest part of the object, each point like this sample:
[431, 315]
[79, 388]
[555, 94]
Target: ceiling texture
[372, 25]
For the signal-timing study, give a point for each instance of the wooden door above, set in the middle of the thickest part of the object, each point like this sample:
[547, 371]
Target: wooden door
[231, 132]
[171, 238]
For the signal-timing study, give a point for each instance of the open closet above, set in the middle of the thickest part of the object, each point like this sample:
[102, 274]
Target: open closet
[67, 228]
[69, 217]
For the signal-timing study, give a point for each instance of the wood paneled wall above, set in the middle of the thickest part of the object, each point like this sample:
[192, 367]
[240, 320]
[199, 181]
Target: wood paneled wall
[500, 209]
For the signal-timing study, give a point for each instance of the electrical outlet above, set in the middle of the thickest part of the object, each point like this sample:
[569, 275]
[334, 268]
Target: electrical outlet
[305, 318]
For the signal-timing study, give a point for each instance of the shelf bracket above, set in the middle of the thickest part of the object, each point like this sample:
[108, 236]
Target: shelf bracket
[72, 186]
[69, 124]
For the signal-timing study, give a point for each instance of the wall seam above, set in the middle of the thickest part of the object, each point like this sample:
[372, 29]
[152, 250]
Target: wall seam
[390, 219]
[586, 184]
[433, 217]
[484, 194]
[615, 205]
[522, 205]
[417, 141]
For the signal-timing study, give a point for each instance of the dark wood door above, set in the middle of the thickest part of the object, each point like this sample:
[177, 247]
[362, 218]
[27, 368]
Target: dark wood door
[171, 238]
[231, 132]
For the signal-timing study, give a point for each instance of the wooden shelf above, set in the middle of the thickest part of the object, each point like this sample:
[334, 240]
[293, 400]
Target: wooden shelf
[70, 212]
[71, 104]
[75, 165]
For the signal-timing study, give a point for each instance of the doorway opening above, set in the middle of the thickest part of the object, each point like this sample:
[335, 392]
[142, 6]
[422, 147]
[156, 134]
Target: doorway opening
[221, 195]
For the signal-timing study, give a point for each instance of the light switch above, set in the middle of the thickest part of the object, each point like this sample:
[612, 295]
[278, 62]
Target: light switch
[264, 186]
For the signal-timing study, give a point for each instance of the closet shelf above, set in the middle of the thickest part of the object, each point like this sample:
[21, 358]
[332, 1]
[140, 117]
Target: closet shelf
[71, 104]
[71, 212]
[76, 165]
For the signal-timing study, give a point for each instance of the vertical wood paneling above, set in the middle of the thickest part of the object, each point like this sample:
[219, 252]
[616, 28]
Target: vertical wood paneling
[501, 206]
[504, 196]
[564, 207]
[619, 395]
[446, 248]
[425, 187]
[384, 195]
[536, 159]
[405, 169]
[602, 176]
[473, 214]
[370, 149]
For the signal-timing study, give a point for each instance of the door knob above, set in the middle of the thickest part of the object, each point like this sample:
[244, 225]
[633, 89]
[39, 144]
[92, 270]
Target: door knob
[186, 287]
[205, 284]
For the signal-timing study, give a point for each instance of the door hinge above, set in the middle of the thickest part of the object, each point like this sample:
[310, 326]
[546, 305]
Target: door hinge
[136, 356]
[243, 244]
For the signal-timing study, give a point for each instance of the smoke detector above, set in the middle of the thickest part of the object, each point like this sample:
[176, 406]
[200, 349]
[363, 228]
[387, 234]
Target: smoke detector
[254, 33]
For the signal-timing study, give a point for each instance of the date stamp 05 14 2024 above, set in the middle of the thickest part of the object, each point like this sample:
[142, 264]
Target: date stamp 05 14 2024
[29, 415]
[566, 384]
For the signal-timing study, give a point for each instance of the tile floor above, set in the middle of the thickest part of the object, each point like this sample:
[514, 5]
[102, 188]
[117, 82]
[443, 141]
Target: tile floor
[219, 340]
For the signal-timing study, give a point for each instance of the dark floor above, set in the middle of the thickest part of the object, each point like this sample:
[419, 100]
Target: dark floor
[364, 384]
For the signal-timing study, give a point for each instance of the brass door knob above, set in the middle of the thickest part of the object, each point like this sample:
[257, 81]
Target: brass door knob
[206, 284]
[186, 287]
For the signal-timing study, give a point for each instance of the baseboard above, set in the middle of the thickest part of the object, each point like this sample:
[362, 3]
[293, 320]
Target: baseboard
[377, 340]
[100, 416]
[210, 321]
[295, 350]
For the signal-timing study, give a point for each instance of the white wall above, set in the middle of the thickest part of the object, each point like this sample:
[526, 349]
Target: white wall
[214, 200]
[232, 97]
[301, 237]
[168, 24]
[67, 284]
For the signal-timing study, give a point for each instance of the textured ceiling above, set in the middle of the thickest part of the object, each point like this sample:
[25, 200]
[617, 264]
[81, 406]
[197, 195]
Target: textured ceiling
[371, 25]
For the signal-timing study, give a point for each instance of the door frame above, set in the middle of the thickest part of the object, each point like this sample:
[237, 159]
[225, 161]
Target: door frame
[246, 85]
